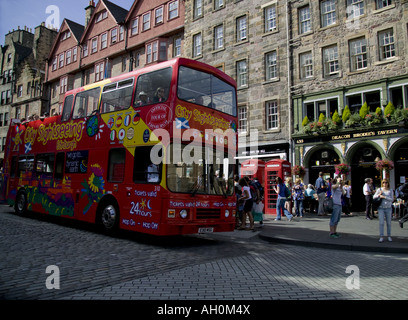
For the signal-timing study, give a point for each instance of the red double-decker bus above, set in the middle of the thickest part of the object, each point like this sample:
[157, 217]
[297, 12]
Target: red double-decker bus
[150, 151]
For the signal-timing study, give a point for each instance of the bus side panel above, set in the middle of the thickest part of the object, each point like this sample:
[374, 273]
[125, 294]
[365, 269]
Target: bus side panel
[141, 209]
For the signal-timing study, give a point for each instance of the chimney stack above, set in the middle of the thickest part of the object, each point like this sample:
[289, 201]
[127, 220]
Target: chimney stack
[89, 10]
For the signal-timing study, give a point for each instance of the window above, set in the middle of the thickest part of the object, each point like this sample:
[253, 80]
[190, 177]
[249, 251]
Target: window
[206, 90]
[86, 102]
[330, 61]
[242, 73]
[63, 85]
[74, 54]
[218, 37]
[134, 26]
[241, 28]
[54, 64]
[218, 4]
[173, 10]
[94, 45]
[355, 8]
[177, 47]
[328, 12]
[99, 71]
[149, 85]
[59, 166]
[66, 113]
[358, 54]
[144, 171]
[271, 69]
[306, 65]
[85, 50]
[104, 40]
[242, 119]
[326, 107]
[20, 91]
[122, 33]
[270, 18]
[114, 35]
[68, 57]
[117, 96]
[197, 45]
[116, 166]
[25, 164]
[386, 44]
[101, 16]
[383, 3]
[146, 21]
[158, 15]
[45, 165]
[61, 60]
[149, 53]
[198, 8]
[271, 115]
[305, 24]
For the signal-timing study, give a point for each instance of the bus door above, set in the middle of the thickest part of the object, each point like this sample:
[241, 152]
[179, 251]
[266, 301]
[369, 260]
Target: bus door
[274, 168]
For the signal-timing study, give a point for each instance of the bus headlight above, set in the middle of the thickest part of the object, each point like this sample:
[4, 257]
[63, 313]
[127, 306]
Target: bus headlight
[183, 213]
[227, 213]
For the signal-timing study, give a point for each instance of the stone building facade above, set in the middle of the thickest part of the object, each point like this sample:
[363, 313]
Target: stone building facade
[248, 41]
[350, 57]
[22, 89]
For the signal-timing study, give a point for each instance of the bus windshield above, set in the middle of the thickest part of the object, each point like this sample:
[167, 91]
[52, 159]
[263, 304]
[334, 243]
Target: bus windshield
[206, 90]
[212, 174]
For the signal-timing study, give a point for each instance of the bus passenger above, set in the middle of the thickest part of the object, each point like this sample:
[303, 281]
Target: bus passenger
[143, 99]
[159, 95]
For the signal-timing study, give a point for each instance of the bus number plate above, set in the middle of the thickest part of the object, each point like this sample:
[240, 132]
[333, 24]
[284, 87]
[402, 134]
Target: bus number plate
[205, 230]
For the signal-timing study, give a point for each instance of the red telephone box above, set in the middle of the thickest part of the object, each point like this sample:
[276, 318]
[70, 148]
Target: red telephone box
[274, 168]
[253, 168]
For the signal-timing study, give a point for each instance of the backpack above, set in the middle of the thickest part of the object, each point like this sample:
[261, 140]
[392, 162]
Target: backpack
[257, 186]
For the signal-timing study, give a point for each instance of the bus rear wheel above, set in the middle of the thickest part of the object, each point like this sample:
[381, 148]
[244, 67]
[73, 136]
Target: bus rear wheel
[21, 203]
[109, 217]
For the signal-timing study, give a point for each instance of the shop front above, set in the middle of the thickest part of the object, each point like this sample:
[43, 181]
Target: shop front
[360, 150]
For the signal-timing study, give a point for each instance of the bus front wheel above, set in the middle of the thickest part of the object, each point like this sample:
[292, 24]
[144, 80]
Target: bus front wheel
[21, 203]
[109, 216]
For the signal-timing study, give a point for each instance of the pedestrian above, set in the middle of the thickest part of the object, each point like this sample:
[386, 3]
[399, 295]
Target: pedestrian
[280, 189]
[347, 198]
[311, 198]
[246, 196]
[289, 185]
[385, 208]
[240, 203]
[368, 194]
[298, 197]
[336, 191]
[321, 189]
[329, 187]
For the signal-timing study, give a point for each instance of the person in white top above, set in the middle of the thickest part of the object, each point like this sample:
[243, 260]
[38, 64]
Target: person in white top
[246, 195]
[385, 208]
[368, 191]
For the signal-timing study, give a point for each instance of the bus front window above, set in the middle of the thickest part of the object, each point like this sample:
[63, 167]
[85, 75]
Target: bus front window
[211, 174]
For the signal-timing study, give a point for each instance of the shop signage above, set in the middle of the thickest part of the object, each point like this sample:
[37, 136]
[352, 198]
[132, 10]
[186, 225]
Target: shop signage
[352, 135]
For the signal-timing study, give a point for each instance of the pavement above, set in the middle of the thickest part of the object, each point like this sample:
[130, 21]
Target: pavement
[356, 233]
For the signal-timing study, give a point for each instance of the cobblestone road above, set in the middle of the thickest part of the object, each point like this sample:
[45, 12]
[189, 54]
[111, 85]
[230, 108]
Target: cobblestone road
[218, 267]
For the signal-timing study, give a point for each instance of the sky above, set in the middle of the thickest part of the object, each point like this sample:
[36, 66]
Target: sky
[30, 13]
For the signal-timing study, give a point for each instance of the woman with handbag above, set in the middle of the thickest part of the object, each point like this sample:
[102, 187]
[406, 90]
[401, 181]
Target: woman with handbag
[385, 208]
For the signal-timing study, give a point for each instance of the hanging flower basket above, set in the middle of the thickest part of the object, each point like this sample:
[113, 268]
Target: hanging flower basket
[298, 171]
[386, 165]
[342, 168]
